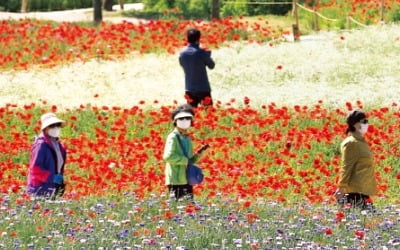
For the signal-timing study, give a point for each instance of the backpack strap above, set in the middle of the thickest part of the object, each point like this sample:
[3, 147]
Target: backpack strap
[181, 145]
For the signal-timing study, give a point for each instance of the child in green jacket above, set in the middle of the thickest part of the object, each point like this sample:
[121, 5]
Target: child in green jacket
[178, 153]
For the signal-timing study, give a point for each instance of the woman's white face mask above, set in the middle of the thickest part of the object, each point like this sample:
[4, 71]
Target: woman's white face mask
[364, 128]
[54, 132]
[184, 124]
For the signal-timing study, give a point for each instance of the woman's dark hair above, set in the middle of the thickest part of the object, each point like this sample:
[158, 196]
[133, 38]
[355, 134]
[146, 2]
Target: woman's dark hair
[193, 35]
[352, 118]
[181, 108]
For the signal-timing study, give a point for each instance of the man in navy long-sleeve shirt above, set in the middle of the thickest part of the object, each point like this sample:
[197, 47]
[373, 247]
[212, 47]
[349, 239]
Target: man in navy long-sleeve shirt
[194, 61]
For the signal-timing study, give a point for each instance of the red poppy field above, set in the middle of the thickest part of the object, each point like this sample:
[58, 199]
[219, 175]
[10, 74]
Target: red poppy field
[269, 177]
[31, 42]
[269, 173]
[273, 152]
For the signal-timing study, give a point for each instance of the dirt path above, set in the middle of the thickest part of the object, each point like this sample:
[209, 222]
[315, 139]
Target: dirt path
[73, 15]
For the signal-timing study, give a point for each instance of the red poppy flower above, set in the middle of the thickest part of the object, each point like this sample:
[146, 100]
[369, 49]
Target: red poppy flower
[328, 231]
[207, 101]
[339, 216]
[359, 234]
[246, 100]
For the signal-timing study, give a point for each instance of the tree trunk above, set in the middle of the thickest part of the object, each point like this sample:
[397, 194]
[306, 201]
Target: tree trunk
[108, 4]
[97, 12]
[215, 9]
[121, 4]
[24, 6]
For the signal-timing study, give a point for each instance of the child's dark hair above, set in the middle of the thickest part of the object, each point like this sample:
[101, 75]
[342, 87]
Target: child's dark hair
[193, 35]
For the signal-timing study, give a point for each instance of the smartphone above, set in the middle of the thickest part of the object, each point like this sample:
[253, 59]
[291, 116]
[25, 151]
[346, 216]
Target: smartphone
[204, 147]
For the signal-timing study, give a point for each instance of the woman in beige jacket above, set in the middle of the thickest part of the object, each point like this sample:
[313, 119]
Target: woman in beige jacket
[357, 177]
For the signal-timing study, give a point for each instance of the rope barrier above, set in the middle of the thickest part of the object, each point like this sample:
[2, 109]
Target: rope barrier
[302, 7]
[317, 13]
[355, 21]
[275, 3]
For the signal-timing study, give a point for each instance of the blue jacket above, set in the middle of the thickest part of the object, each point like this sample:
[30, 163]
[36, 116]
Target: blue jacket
[43, 166]
[194, 60]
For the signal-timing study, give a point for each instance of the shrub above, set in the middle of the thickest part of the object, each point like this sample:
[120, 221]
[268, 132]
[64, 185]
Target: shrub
[10, 5]
[49, 5]
[264, 9]
[394, 15]
[202, 8]
[237, 9]
[188, 9]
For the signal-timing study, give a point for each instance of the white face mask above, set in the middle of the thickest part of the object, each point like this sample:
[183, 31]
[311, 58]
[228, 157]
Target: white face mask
[183, 124]
[364, 128]
[54, 132]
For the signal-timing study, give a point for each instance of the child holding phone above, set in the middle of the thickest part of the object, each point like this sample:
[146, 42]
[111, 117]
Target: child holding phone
[178, 153]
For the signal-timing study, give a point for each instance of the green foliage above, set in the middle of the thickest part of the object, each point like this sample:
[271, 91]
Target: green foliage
[175, 8]
[197, 6]
[50, 5]
[202, 8]
[394, 15]
[10, 5]
[239, 7]
[236, 9]
[275, 9]
[335, 16]
[148, 14]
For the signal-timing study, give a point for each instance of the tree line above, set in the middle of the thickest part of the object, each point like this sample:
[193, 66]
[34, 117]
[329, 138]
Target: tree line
[188, 8]
[54, 5]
